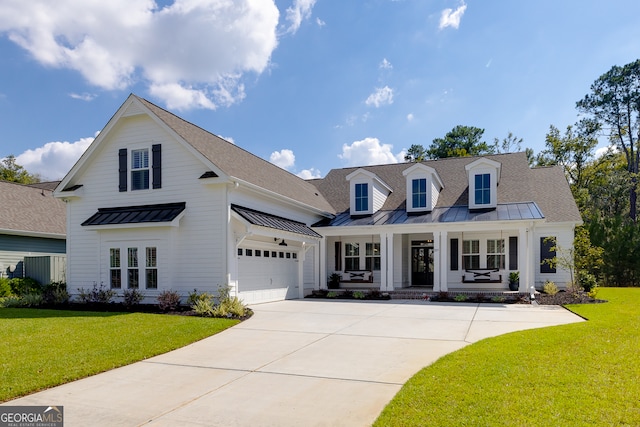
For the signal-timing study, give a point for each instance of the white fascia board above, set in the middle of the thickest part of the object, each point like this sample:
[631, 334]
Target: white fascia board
[369, 175]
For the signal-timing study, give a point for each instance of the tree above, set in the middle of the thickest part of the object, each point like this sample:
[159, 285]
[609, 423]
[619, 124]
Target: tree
[415, 153]
[572, 151]
[13, 172]
[614, 102]
[510, 144]
[461, 141]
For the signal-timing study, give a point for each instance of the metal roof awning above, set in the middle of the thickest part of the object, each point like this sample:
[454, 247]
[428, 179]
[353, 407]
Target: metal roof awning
[452, 214]
[147, 214]
[272, 221]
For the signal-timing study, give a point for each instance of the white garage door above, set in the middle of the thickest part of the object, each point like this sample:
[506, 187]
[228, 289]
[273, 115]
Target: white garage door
[265, 275]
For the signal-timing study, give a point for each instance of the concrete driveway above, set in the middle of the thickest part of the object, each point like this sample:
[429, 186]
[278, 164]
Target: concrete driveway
[294, 363]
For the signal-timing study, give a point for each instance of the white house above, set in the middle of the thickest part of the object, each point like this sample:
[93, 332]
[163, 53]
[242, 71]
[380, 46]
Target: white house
[158, 203]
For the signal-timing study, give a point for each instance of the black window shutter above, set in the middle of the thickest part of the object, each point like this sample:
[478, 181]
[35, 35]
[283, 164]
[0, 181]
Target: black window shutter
[122, 169]
[338, 256]
[513, 253]
[156, 152]
[453, 252]
[546, 244]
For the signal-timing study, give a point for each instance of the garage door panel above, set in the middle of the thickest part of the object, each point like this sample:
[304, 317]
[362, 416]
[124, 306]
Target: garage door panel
[262, 279]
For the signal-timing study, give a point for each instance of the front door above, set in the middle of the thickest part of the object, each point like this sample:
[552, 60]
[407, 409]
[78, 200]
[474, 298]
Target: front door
[421, 266]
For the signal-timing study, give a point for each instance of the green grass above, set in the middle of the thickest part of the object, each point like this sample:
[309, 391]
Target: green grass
[582, 374]
[45, 348]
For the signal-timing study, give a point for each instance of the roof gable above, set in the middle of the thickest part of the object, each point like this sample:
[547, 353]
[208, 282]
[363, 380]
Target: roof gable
[218, 156]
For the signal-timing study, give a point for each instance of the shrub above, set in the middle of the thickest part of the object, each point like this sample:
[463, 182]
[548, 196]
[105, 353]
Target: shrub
[5, 287]
[587, 281]
[11, 302]
[593, 292]
[230, 307]
[168, 300]
[498, 298]
[55, 293]
[196, 296]
[24, 285]
[203, 307]
[332, 294]
[359, 294]
[460, 298]
[131, 297]
[96, 295]
[549, 288]
[31, 300]
[443, 296]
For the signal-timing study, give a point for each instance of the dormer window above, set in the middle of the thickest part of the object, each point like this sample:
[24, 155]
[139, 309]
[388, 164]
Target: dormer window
[483, 189]
[368, 192]
[362, 197]
[484, 176]
[419, 193]
[423, 188]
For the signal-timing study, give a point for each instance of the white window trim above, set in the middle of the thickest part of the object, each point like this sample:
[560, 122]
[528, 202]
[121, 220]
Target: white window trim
[480, 167]
[420, 171]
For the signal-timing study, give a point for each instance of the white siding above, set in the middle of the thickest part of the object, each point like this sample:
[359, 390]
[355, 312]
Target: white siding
[196, 256]
[434, 193]
[564, 236]
[379, 196]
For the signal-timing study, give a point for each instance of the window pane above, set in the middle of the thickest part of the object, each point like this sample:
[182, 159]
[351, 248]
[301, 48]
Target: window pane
[139, 159]
[152, 278]
[114, 257]
[352, 263]
[151, 257]
[140, 179]
[132, 257]
[362, 197]
[352, 249]
[482, 189]
[133, 278]
[116, 279]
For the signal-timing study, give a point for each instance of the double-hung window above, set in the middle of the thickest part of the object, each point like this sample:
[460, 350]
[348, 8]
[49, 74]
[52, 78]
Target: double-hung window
[362, 197]
[140, 169]
[115, 280]
[133, 272]
[495, 253]
[372, 256]
[483, 189]
[352, 256]
[151, 275]
[470, 254]
[419, 193]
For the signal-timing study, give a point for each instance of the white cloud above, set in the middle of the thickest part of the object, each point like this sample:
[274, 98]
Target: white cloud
[369, 151]
[381, 96]
[309, 173]
[83, 96]
[53, 160]
[192, 53]
[320, 22]
[283, 158]
[410, 117]
[386, 65]
[605, 150]
[298, 12]
[228, 139]
[451, 18]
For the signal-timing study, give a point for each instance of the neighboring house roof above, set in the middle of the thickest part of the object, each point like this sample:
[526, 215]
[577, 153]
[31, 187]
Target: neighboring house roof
[26, 210]
[519, 183]
[49, 185]
[241, 164]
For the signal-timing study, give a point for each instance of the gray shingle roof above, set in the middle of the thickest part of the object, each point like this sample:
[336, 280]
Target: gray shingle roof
[27, 209]
[239, 163]
[519, 183]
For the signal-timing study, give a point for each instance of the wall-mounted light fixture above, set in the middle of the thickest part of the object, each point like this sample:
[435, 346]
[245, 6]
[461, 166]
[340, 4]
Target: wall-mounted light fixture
[282, 243]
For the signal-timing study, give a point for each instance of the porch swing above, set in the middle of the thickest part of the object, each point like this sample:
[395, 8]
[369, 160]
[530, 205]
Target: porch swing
[481, 275]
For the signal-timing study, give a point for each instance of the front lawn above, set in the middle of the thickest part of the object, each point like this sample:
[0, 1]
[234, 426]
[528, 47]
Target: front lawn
[581, 374]
[45, 348]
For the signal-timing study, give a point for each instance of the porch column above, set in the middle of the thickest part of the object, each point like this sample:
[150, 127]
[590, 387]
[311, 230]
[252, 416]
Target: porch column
[441, 266]
[322, 252]
[383, 261]
[301, 257]
[316, 265]
[525, 262]
[389, 240]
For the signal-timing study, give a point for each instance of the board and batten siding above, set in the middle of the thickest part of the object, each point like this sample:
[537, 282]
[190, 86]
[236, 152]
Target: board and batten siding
[195, 250]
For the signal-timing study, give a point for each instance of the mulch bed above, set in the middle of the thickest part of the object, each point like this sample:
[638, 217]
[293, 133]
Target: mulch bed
[564, 298]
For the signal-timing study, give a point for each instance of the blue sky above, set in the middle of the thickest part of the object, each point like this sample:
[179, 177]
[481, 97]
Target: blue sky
[308, 84]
